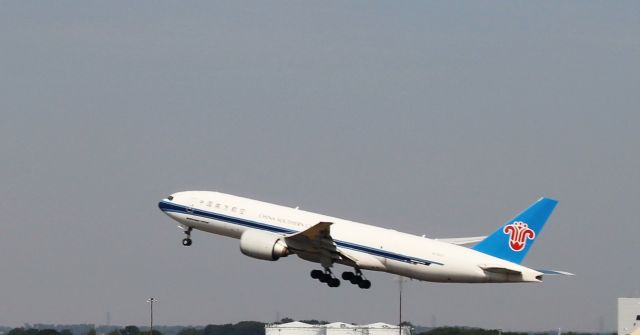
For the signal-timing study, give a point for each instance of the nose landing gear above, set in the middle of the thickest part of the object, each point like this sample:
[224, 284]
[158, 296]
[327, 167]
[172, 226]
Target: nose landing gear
[187, 240]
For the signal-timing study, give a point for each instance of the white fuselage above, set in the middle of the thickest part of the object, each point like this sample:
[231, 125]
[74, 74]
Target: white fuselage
[374, 248]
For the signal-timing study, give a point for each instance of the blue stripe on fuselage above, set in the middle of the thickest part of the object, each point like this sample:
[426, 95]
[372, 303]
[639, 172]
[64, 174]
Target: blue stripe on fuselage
[169, 207]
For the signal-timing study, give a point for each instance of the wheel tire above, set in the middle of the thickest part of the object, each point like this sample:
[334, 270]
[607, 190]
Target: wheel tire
[186, 242]
[365, 284]
[334, 282]
[356, 280]
[324, 278]
[347, 275]
[316, 274]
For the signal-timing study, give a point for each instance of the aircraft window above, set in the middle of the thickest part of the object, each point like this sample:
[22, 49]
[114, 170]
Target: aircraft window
[234, 209]
[217, 205]
[637, 317]
[241, 210]
[202, 201]
[209, 203]
[170, 197]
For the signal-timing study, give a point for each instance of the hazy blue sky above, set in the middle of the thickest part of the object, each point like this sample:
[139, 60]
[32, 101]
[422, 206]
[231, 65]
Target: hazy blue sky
[438, 118]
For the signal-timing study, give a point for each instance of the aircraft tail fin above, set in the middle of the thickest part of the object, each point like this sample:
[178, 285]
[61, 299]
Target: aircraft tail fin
[513, 240]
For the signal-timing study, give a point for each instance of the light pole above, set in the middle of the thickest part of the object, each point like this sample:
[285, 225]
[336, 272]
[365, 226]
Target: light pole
[400, 282]
[151, 300]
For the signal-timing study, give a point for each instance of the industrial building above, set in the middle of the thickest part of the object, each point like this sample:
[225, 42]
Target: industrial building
[336, 328]
[628, 316]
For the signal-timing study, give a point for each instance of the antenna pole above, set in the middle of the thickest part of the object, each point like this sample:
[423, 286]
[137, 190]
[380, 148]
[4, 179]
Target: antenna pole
[400, 306]
[151, 300]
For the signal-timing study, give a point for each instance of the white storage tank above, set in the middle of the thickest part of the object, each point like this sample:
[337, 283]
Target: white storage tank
[342, 328]
[336, 328]
[293, 328]
[381, 328]
[628, 315]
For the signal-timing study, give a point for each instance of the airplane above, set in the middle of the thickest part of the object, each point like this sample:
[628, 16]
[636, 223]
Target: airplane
[269, 232]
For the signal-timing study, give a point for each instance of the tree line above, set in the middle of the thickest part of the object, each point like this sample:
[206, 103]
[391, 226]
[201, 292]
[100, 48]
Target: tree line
[256, 328]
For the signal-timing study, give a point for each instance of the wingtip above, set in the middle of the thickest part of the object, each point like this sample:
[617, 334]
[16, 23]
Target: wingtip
[556, 272]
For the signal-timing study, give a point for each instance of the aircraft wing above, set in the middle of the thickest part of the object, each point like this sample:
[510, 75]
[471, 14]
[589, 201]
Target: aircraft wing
[462, 240]
[316, 244]
[321, 230]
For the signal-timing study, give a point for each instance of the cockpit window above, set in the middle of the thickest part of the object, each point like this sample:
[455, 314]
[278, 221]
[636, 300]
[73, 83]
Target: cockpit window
[170, 197]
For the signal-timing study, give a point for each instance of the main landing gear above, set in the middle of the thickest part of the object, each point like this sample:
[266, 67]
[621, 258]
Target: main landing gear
[325, 277]
[187, 240]
[356, 279]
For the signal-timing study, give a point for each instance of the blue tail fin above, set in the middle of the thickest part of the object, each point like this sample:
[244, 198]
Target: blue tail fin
[512, 241]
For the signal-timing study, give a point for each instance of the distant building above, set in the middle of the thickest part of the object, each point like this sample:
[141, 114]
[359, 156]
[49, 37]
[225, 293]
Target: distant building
[628, 316]
[293, 328]
[336, 328]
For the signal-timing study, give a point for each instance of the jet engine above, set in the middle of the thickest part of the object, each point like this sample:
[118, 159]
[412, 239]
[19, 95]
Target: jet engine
[263, 245]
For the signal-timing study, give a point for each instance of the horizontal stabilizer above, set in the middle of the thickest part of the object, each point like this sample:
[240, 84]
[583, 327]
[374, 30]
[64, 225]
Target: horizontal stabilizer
[462, 240]
[556, 273]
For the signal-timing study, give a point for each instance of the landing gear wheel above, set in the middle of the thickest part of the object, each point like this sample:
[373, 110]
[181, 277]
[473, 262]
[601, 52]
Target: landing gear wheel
[348, 275]
[364, 284]
[356, 278]
[325, 277]
[187, 240]
[316, 274]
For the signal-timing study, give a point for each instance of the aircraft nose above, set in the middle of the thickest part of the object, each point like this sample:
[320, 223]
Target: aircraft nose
[164, 204]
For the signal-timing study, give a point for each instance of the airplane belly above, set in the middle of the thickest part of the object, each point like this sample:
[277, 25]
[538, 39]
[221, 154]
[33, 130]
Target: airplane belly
[364, 261]
[208, 225]
[435, 272]
[222, 228]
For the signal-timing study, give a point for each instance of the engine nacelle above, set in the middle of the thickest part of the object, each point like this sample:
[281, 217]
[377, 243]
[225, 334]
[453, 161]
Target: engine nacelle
[263, 245]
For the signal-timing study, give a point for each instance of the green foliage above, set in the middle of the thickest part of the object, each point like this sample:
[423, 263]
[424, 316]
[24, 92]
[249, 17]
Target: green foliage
[315, 322]
[249, 328]
[32, 331]
[216, 329]
[22, 331]
[240, 328]
[459, 331]
[479, 331]
[189, 331]
[285, 320]
[130, 330]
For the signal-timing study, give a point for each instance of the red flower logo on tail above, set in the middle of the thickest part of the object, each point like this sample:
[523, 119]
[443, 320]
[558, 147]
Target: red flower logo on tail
[518, 233]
